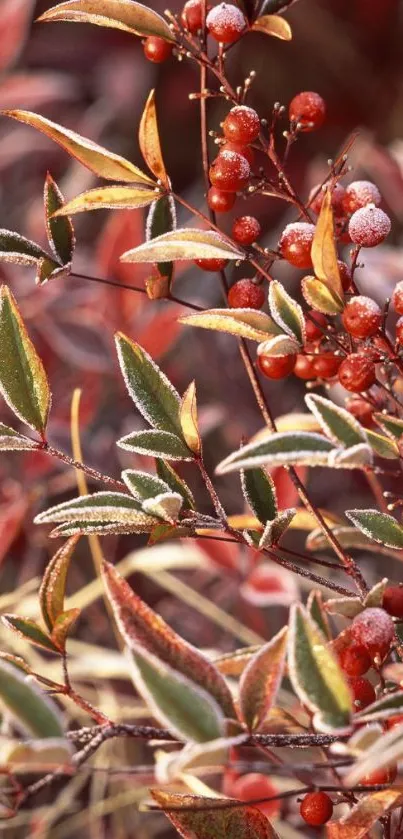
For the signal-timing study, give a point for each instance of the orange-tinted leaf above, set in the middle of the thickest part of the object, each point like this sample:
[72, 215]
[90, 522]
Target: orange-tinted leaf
[62, 627]
[321, 297]
[116, 14]
[141, 627]
[261, 680]
[157, 287]
[188, 419]
[102, 162]
[197, 817]
[365, 814]
[324, 253]
[116, 197]
[52, 590]
[149, 141]
[273, 25]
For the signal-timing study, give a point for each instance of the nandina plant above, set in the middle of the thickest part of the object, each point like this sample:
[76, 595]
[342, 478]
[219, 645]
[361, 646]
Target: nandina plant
[303, 728]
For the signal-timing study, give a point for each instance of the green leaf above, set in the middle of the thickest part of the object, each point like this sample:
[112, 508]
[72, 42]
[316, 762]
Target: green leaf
[317, 611]
[175, 700]
[244, 323]
[261, 680]
[29, 706]
[100, 508]
[11, 441]
[116, 197]
[378, 526]
[320, 297]
[60, 230]
[53, 586]
[275, 529]
[390, 424]
[175, 482]
[337, 423]
[166, 506]
[286, 312]
[198, 817]
[162, 219]
[143, 629]
[186, 243]
[143, 524]
[47, 269]
[102, 162]
[383, 708]
[156, 444]
[348, 537]
[151, 391]
[355, 457]
[316, 675]
[382, 446]
[260, 493]
[116, 14]
[29, 629]
[289, 447]
[23, 381]
[142, 485]
[19, 250]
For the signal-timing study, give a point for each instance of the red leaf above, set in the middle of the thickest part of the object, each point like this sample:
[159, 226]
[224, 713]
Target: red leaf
[196, 817]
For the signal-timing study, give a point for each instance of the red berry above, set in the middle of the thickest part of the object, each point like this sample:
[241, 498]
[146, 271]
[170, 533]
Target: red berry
[363, 693]
[245, 294]
[308, 110]
[357, 373]
[316, 808]
[359, 194]
[355, 660]
[211, 264]
[192, 16]
[345, 274]
[369, 226]
[226, 23]
[397, 298]
[220, 202]
[360, 409]
[304, 367]
[241, 125]
[326, 365]
[245, 230]
[254, 786]
[156, 49]
[399, 331]
[393, 601]
[315, 324]
[276, 366]
[379, 776]
[244, 151]
[362, 317]
[229, 171]
[315, 203]
[296, 242]
[374, 629]
[341, 230]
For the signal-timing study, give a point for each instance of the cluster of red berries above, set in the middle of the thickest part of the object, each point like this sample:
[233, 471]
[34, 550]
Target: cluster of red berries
[225, 23]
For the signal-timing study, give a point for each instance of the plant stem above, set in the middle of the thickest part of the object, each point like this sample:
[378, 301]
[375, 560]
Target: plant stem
[76, 464]
[128, 287]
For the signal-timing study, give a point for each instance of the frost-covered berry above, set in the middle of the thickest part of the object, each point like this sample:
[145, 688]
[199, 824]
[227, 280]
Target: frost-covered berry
[219, 201]
[157, 49]
[397, 298]
[241, 125]
[192, 16]
[374, 629]
[393, 601]
[308, 110]
[345, 274]
[245, 230]
[362, 317]
[357, 373]
[226, 23]
[229, 171]
[369, 226]
[363, 693]
[245, 294]
[315, 203]
[276, 366]
[244, 151]
[316, 808]
[359, 194]
[296, 242]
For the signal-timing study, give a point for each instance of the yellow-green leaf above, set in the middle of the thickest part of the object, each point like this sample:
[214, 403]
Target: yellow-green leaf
[102, 162]
[110, 197]
[186, 243]
[11, 441]
[261, 680]
[149, 141]
[244, 323]
[30, 630]
[116, 14]
[53, 586]
[320, 297]
[323, 252]
[29, 706]
[23, 381]
[273, 25]
[60, 230]
[188, 419]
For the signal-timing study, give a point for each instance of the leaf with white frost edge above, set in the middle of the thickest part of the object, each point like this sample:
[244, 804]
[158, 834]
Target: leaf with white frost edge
[261, 680]
[29, 706]
[260, 493]
[243, 323]
[153, 443]
[289, 447]
[184, 243]
[337, 423]
[126, 15]
[286, 312]
[275, 529]
[167, 474]
[316, 675]
[19, 250]
[166, 505]
[279, 345]
[142, 485]
[10, 440]
[380, 527]
[356, 457]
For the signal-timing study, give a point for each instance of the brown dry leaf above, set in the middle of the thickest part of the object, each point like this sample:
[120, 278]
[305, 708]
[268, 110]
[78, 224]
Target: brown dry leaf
[188, 419]
[273, 25]
[323, 252]
[149, 141]
[368, 810]
[197, 817]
